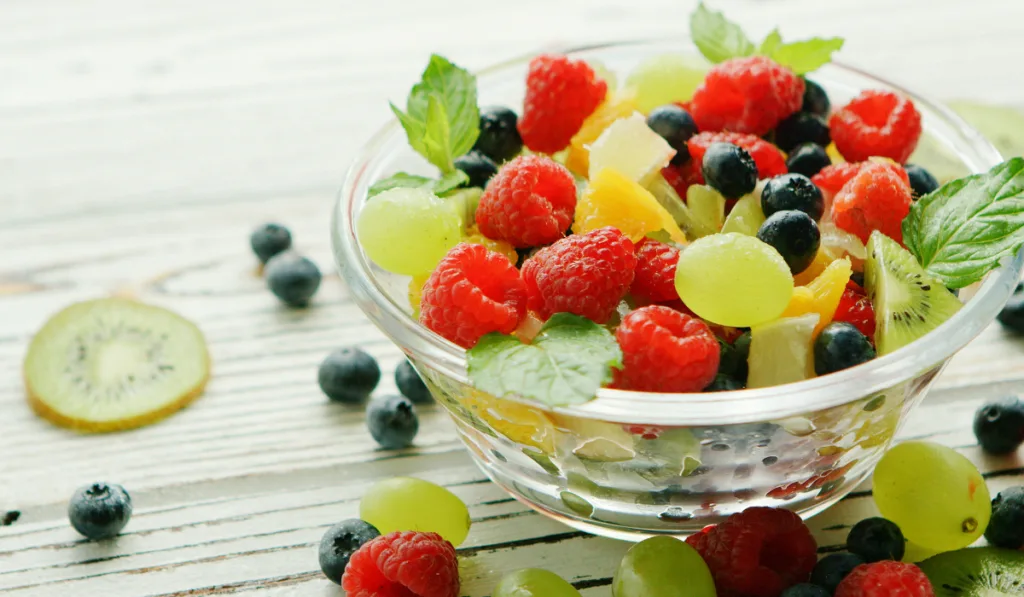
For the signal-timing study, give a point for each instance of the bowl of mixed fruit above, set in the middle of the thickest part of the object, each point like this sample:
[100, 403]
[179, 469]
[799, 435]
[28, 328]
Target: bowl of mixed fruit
[658, 283]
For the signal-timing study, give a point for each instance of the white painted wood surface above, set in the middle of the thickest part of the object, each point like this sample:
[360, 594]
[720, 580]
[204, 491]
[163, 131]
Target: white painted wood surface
[141, 140]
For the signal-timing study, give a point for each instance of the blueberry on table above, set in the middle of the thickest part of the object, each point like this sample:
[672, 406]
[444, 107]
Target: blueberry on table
[340, 542]
[410, 384]
[499, 134]
[802, 127]
[921, 181]
[478, 167]
[392, 421]
[808, 159]
[841, 346]
[675, 126]
[833, 568]
[1012, 315]
[794, 235]
[269, 240]
[805, 590]
[792, 191]
[999, 426]
[815, 99]
[292, 278]
[876, 539]
[348, 375]
[100, 510]
[729, 169]
[1006, 527]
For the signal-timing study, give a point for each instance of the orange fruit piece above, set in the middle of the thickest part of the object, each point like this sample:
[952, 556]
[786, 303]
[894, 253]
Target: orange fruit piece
[822, 295]
[614, 108]
[612, 199]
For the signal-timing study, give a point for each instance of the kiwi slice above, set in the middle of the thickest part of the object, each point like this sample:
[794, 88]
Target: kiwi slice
[908, 302]
[976, 572]
[114, 363]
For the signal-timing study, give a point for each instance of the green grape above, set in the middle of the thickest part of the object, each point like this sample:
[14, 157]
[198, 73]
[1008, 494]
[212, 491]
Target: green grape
[734, 280]
[707, 206]
[409, 504]
[534, 582]
[662, 567]
[935, 495]
[780, 351]
[746, 216]
[664, 79]
[407, 231]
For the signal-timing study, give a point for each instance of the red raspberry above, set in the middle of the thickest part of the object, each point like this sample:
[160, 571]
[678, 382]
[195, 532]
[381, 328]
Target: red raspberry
[664, 350]
[529, 202]
[855, 308]
[876, 198]
[758, 552]
[770, 161]
[585, 274]
[644, 431]
[655, 279]
[472, 292]
[560, 94]
[681, 177]
[746, 95]
[876, 123]
[885, 579]
[831, 179]
[403, 564]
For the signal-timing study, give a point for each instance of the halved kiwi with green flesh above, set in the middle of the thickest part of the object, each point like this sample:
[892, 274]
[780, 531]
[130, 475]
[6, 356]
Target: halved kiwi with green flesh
[976, 572]
[114, 363]
[908, 302]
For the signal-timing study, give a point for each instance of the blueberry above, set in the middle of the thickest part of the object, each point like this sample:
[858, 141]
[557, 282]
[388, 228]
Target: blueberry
[999, 426]
[832, 569]
[100, 510]
[808, 159]
[410, 384]
[802, 127]
[857, 278]
[815, 99]
[729, 170]
[805, 590]
[733, 360]
[723, 383]
[1006, 527]
[478, 167]
[676, 126]
[292, 278]
[348, 375]
[499, 135]
[792, 191]
[269, 240]
[921, 181]
[392, 421]
[840, 346]
[1012, 315]
[794, 235]
[340, 542]
[876, 539]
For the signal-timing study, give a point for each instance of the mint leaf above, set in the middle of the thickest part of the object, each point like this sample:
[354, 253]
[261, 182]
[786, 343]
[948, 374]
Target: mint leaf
[770, 43]
[961, 231]
[441, 118]
[446, 184]
[804, 56]
[449, 182]
[567, 362]
[716, 37]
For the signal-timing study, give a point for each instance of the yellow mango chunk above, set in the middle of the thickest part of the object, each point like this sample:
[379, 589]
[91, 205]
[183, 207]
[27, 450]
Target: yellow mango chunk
[612, 199]
[475, 237]
[822, 260]
[614, 108]
[822, 295]
[834, 155]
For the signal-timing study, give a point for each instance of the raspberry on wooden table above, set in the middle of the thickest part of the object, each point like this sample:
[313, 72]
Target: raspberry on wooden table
[876, 198]
[664, 350]
[560, 94]
[655, 276]
[403, 564]
[472, 292]
[584, 274]
[885, 579]
[876, 123]
[529, 202]
[746, 95]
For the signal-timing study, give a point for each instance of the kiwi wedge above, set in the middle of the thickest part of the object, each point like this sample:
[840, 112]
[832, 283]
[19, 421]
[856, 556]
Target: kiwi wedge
[113, 364]
[976, 572]
[908, 302]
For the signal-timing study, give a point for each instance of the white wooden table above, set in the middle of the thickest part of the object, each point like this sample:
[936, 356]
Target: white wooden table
[141, 141]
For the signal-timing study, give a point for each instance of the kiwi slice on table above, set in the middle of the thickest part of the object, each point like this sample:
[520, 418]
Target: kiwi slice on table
[114, 363]
[976, 572]
[908, 302]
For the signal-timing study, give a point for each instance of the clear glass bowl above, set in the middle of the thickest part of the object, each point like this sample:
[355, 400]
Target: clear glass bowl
[801, 446]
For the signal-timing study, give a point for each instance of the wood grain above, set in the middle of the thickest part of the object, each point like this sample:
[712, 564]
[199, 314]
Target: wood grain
[142, 140]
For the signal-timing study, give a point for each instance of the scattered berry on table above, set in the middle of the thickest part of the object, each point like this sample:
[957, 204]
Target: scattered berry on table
[533, 582]
[348, 375]
[499, 136]
[805, 590]
[855, 308]
[792, 191]
[662, 567]
[833, 568]
[403, 564]
[269, 240]
[876, 198]
[411, 504]
[100, 510]
[340, 542]
[560, 94]
[999, 425]
[584, 274]
[1012, 314]
[1006, 527]
[746, 95]
[478, 167]
[815, 99]
[794, 235]
[921, 181]
[292, 278]
[876, 539]
[885, 579]
[676, 126]
[802, 127]
[876, 123]
[808, 159]
[729, 169]
[770, 161]
[655, 274]
[664, 350]
[472, 292]
[392, 421]
[410, 384]
[841, 346]
[530, 202]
